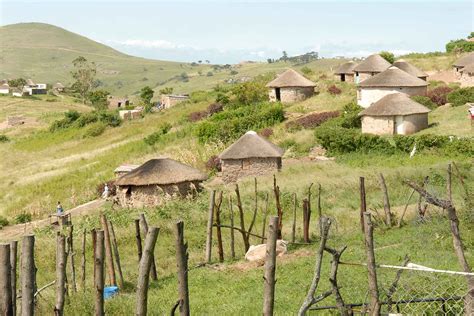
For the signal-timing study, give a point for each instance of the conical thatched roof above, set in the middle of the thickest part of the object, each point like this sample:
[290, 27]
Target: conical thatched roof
[161, 171]
[30, 82]
[409, 68]
[464, 61]
[347, 68]
[393, 77]
[394, 104]
[290, 78]
[58, 85]
[373, 63]
[251, 145]
[469, 69]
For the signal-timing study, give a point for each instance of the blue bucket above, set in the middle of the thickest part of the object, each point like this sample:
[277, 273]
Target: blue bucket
[110, 291]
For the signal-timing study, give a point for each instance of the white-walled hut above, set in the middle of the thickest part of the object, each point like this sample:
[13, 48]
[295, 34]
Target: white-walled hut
[250, 155]
[389, 81]
[395, 113]
[4, 88]
[158, 180]
[289, 87]
[409, 68]
[58, 87]
[372, 65]
[461, 63]
[345, 72]
[467, 76]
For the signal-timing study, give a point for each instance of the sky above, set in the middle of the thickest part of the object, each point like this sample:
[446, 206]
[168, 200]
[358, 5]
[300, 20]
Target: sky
[230, 31]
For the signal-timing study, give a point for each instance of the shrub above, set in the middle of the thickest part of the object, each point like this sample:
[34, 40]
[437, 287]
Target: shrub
[250, 92]
[210, 74]
[350, 115]
[312, 120]
[197, 116]
[460, 45]
[306, 70]
[153, 138]
[333, 90]
[266, 132]
[425, 101]
[112, 119]
[461, 96]
[85, 119]
[222, 98]
[3, 222]
[405, 143]
[214, 108]
[388, 56]
[439, 94]
[69, 118]
[95, 129]
[4, 138]
[98, 99]
[213, 164]
[464, 146]
[234, 72]
[23, 218]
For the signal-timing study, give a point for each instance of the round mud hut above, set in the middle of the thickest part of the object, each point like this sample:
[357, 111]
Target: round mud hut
[395, 113]
[345, 72]
[389, 81]
[409, 68]
[290, 87]
[467, 76]
[370, 66]
[462, 62]
[250, 155]
[158, 180]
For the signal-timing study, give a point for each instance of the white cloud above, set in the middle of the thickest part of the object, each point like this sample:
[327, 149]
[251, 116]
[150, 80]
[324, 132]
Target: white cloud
[260, 53]
[162, 44]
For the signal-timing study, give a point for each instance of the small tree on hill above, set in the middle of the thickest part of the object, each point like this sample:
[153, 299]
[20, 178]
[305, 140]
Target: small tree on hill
[98, 99]
[388, 56]
[167, 90]
[146, 94]
[17, 83]
[84, 75]
[471, 35]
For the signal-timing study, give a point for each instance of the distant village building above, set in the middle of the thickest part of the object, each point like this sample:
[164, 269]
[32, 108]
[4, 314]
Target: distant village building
[170, 100]
[372, 65]
[389, 81]
[32, 88]
[116, 102]
[4, 88]
[58, 87]
[290, 87]
[409, 68]
[345, 72]
[250, 155]
[461, 63]
[124, 169]
[17, 92]
[158, 180]
[467, 76]
[131, 114]
[393, 114]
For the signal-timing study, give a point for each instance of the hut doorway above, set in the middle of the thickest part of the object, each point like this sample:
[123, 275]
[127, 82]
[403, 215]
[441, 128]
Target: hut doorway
[399, 125]
[128, 193]
[343, 77]
[278, 94]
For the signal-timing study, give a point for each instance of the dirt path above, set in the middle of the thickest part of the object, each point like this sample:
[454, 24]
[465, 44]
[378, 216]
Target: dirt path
[15, 232]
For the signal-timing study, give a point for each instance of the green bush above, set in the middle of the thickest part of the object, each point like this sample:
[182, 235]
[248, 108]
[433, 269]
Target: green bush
[153, 138]
[388, 56]
[462, 146]
[425, 101]
[85, 119]
[112, 119]
[405, 143]
[4, 138]
[3, 222]
[23, 218]
[95, 129]
[460, 45]
[461, 96]
[350, 115]
[69, 118]
[253, 91]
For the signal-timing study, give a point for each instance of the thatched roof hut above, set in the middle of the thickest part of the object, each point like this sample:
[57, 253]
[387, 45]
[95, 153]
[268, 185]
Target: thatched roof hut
[370, 66]
[467, 76]
[345, 72]
[290, 86]
[290, 78]
[409, 68]
[393, 77]
[395, 113]
[250, 155]
[464, 61]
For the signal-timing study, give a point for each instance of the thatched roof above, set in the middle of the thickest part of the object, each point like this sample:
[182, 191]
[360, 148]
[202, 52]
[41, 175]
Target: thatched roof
[469, 69]
[394, 104]
[161, 171]
[393, 77]
[126, 168]
[58, 85]
[409, 68]
[290, 78]
[30, 82]
[4, 86]
[251, 145]
[347, 68]
[465, 60]
[373, 63]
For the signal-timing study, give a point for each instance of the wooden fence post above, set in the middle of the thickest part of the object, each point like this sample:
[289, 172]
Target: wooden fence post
[265, 214]
[72, 254]
[13, 260]
[306, 220]
[270, 267]
[60, 274]
[293, 227]
[108, 250]
[276, 191]
[182, 264]
[138, 239]
[154, 274]
[83, 263]
[116, 254]
[363, 204]
[28, 275]
[242, 219]
[232, 236]
[386, 201]
[6, 307]
[320, 212]
[99, 275]
[449, 183]
[209, 226]
[94, 246]
[144, 271]
[374, 307]
[220, 247]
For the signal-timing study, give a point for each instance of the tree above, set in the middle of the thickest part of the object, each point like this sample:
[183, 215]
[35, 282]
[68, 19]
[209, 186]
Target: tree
[388, 56]
[17, 83]
[146, 94]
[207, 61]
[285, 56]
[84, 75]
[98, 99]
[471, 35]
[167, 90]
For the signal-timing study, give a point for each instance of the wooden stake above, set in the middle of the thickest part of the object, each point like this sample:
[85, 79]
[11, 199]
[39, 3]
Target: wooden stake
[99, 275]
[94, 246]
[363, 204]
[209, 226]
[83, 263]
[6, 307]
[182, 263]
[242, 220]
[13, 263]
[336, 256]
[449, 183]
[116, 254]
[374, 306]
[144, 224]
[28, 277]
[265, 214]
[320, 212]
[220, 248]
[270, 267]
[138, 239]
[293, 227]
[306, 220]
[386, 201]
[108, 250]
[72, 254]
[144, 271]
[400, 221]
[252, 223]
[276, 191]
[60, 274]
[232, 236]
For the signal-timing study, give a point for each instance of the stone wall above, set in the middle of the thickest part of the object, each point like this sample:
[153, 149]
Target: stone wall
[291, 94]
[414, 123]
[233, 169]
[153, 195]
[466, 80]
[380, 125]
[389, 125]
[367, 96]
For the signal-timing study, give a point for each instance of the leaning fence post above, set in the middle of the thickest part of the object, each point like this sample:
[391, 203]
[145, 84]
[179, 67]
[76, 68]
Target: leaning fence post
[116, 254]
[374, 306]
[182, 263]
[138, 239]
[6, 307]
[232, 236]
[386, 201]
[363, 204]
[144, 271]
[293, 227]
[13, 259]
[220, 247]
[99, 276]
[108, 250]
[72, 254]
[154, 274]
[306, 220]
[270, 267]
[209, 226]
[28, 277]
[60, 274]
[83, 263]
